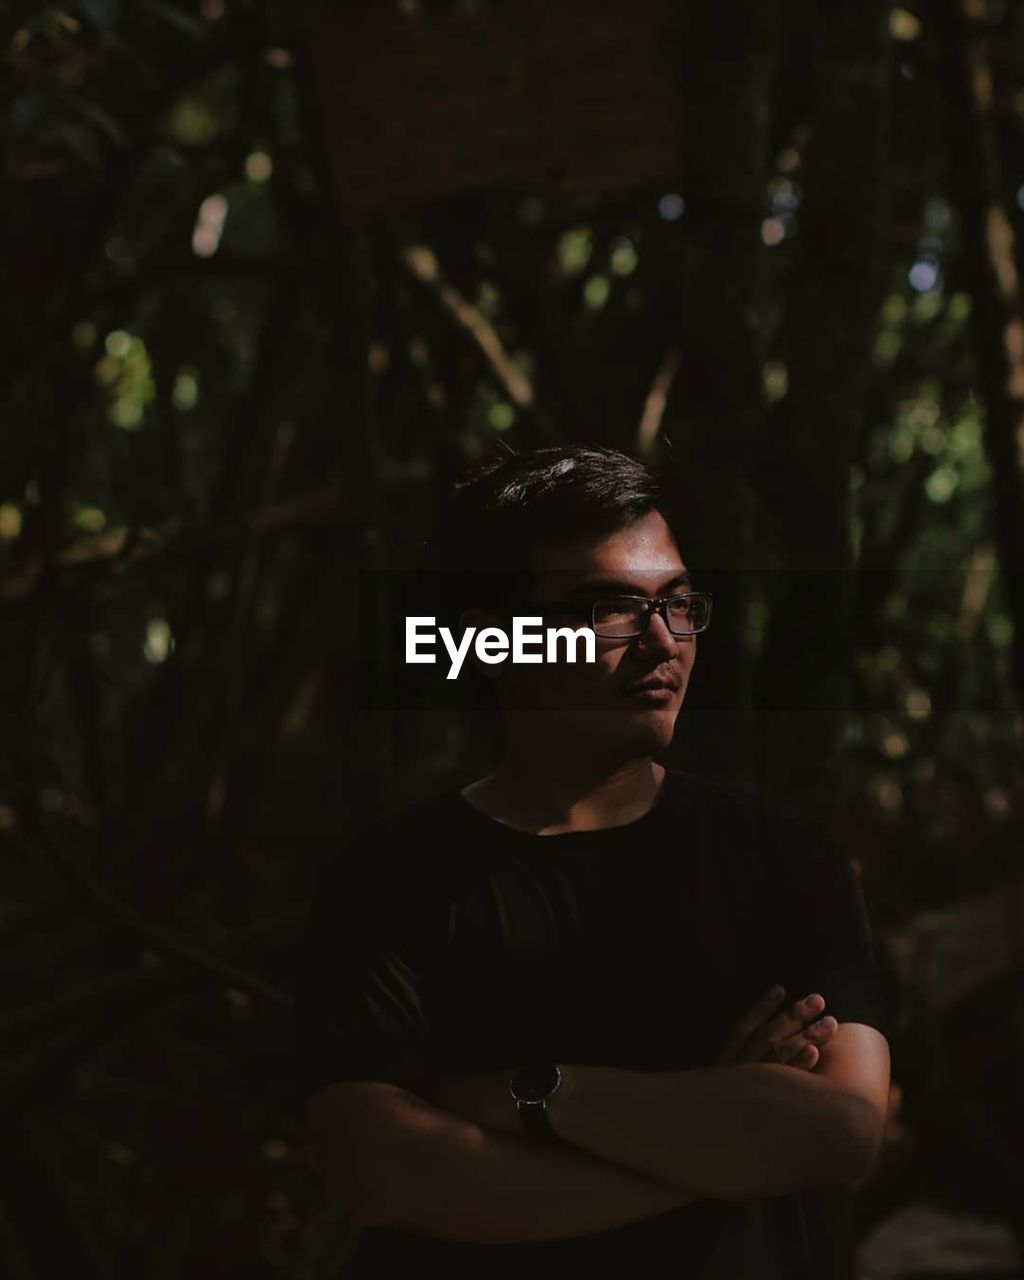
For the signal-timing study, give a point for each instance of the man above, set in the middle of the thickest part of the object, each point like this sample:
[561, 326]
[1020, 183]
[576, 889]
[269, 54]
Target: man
[573, 1014]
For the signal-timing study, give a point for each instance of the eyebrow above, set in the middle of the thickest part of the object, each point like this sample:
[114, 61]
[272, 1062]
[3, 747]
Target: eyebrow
[615, 586]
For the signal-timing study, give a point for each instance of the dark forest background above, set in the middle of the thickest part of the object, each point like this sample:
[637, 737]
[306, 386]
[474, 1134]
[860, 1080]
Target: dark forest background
[272, 276]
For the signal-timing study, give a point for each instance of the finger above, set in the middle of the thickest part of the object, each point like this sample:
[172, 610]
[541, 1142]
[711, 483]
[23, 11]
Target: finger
[806, 1059]
[818, 1033]
[792, 1020]
[754, 1018]
[779, 1030]
[812, 1037]
[786, 1052]
[821, 1031]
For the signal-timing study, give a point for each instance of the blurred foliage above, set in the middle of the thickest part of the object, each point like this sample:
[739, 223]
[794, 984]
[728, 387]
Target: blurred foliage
[226, 413]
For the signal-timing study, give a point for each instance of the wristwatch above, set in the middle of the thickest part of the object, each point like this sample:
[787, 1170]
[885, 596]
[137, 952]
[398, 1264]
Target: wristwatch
[532, 1086]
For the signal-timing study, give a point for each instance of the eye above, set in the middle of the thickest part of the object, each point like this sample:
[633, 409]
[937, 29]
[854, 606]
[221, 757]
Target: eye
[618, 617]
[689, 613]
[681, 607]
[613, 610]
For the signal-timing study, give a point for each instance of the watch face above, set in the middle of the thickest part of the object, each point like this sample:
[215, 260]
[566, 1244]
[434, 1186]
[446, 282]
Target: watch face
[535, 1082]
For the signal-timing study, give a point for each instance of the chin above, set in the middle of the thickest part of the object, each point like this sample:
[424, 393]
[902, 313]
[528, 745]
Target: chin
[643, 733]
[655, 734]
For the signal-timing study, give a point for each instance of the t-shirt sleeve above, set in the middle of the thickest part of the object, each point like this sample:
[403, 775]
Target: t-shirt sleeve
[358, 1010]
[816, 926]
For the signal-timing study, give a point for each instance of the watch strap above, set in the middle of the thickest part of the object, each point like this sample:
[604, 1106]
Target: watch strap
[531, 1086]
[534, 1117]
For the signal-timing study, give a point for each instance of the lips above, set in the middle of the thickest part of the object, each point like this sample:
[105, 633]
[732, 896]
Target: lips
[652, 686]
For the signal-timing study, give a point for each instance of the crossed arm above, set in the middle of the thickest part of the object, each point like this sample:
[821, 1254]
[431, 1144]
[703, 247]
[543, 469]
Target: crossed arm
[391, 1159]
[731, 1132]
[635, 1144]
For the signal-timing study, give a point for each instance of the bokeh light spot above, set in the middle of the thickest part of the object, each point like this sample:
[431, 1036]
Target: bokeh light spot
[209, 226]
[919, 704]
[941, 484]
[258, 166]
[10, 521]
[91, 519]
[500, 416]
[773, 231]
[118, 344]
[185, 392]
[595, 292]
[671, 206]
[623, 257]
[924, 274]
[903, 25]
[159, 642]
[775, 377]
[574, 250]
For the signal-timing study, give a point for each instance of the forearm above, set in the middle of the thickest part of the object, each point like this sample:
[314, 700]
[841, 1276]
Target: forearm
[428, 1171]
[733, 1133]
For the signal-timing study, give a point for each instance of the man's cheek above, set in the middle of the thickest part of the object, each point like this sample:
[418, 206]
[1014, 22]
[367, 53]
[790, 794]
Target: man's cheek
[570, 685]
[585, 687]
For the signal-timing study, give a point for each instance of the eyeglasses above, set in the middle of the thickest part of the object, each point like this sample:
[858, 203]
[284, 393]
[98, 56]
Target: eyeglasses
[622, 617]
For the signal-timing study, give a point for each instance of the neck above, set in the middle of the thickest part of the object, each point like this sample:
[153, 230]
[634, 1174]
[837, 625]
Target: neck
[532, 792]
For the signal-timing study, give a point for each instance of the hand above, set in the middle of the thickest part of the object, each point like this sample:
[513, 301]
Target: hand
[481, 1097]
[793, 1037]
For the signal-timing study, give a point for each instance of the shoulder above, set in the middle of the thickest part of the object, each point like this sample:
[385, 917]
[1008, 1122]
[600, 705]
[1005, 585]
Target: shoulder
[744, 803]
[399, 850]
[441, 810]
[728, 804]
[753, 826]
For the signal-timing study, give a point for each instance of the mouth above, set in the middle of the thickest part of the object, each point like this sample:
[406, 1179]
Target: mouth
[652, 692]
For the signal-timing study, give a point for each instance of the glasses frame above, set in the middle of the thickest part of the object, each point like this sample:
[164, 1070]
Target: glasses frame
[659, 605]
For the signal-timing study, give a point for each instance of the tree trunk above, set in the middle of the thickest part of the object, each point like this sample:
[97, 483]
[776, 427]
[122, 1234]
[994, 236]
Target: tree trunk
[714, 410]
[803, 675]
[997, 316]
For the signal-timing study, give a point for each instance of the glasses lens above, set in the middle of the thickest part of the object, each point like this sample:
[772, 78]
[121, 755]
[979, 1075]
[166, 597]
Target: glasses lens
[618, 617]
[688, 614]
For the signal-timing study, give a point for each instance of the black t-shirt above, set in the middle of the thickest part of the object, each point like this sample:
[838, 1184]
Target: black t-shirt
[440, 941]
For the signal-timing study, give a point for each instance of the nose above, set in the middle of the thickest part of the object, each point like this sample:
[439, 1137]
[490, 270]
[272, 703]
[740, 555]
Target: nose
[657, 639]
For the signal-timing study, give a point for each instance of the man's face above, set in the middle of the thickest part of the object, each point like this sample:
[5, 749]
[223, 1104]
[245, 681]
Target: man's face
[598, 704]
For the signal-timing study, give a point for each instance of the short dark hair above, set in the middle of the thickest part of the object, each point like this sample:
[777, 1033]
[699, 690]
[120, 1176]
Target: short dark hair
[496, 518]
